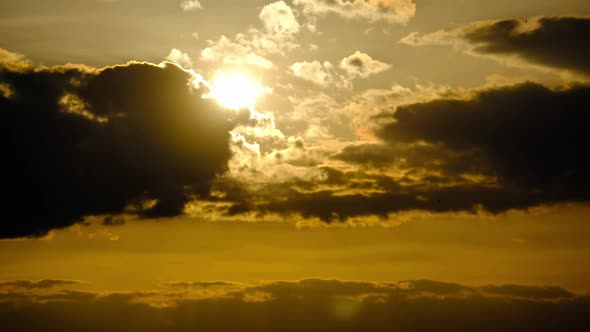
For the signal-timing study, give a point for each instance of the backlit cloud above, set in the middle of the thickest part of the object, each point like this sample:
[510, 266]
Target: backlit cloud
[189, 5]
[556, 42]
[362, 65]
[180, 58]
[106, 141]
[357, 65]
[393, 11]
[318, 73]
[228, 52]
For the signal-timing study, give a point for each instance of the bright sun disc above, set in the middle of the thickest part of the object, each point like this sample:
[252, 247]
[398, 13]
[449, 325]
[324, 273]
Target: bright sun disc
[235, 91]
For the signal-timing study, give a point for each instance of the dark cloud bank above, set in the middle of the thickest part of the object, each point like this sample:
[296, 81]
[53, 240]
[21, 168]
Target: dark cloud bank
[79, 141]
[560, 42]
[530, 135]
[557, 42]
[84, 142]
[37, 284]
[313, 304]
[496, 149]
[528, 143]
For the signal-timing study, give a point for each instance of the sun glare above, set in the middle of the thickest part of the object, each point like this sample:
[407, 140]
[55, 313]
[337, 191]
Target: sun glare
[235, 90]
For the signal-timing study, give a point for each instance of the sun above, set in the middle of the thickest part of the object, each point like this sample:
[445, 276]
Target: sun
[235, 90]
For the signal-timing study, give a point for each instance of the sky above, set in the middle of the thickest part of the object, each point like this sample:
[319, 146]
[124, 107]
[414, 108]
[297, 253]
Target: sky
[354, 165]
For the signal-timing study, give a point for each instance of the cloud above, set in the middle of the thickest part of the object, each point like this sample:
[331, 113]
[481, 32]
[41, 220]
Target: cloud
[362, 65]
[180, 58]
[487, 150]
[530, 292]
[392, 11]
[6, 91]
[318, 73]
[279, 36]
[13, 61]
[329, 305]
[200, 284]
[190, 5]
[531, 135]
[228, 52]
[132, 138]
[40, 284]
[278, 19]
[357, 65]
[113, 221]
[556, 42]
[372, 155]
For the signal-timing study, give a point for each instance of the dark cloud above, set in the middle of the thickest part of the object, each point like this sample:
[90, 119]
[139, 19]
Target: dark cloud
[376, 155]
[494, 150]
[331, 205]
[199, 284]
[80, 142]
[534, 138]
[436, 287]
[560, 42]
[339, 196]
[545, 292]
[357, 62]
[113, 221]
[29, 284]
[313, 304]
[415, 158]
[506, 148]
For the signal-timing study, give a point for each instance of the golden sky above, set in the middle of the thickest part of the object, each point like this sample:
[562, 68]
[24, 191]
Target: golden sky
[346, 158]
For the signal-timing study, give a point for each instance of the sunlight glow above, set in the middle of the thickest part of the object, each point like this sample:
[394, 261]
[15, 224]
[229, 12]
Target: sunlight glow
[235, 90]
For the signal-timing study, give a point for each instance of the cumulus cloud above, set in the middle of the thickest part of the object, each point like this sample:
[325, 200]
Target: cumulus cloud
[280, 32]
[357, 65]
[190, 5]
[180, 58]
[228, 52]
[277, 36]
[362, 65]
[318, 73]
[278, 19]
[329, 305]
[132, 138]
[556, 42]
[392, 11]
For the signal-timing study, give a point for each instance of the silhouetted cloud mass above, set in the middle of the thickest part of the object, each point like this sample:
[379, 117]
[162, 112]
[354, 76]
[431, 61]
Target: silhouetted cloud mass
[312, 304]
[493, 150]
[532, 136]
[559, 42]
[81, 141]
[36, 284]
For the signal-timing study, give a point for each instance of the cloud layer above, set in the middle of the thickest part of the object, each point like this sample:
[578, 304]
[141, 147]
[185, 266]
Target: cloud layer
[329, 305]
[483, 150]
